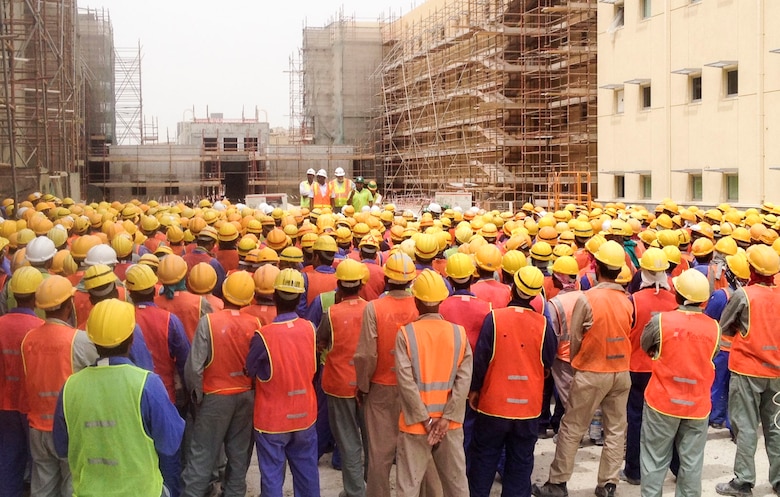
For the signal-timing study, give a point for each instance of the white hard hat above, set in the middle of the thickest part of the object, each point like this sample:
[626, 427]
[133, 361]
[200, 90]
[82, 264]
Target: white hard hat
[41, 249]
[240, 206]
[457, 208]
[310, 171]
[322, 173]
[219, 206]
[101, 254]
[434, 207]
[365, 208]
[375, 208]
[339, 171]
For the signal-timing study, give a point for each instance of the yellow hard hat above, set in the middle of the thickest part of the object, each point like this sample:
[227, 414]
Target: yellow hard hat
[429, 287]
[97, 276]
[82, 244]
[399, 268]
[308, 240]
[654, 259]
[63, 263]
[122, 245]
[702, 247]
[460, 267]
[529, 280]
[289, 283]
[291, 230]
[291, 254]
[351, 273]
[246, 244]
[276, 239]
[512, 261]
[52, 292]
[150, 260]
[692, 285]
[541, 251]
[668, 237]
[763, 259]
[149, 223]
[267, 254]
[611, 254]
[566, 265]
[488, 257]
[238, 288]
[726, 245]
[673, 254]
[426, 246]
[739, 265]
[264, 279]
[325, 243]
[110, 322]
[562, 250]
[624, 277]
[140, 277]
[171, 270]
[547, 234]
[175, 234]
[227, 232]
[202, 278]
[25, 281]
[360, 230]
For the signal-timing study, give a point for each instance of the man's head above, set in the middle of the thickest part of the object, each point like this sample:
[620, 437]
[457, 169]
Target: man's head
[140, 281]
[54, 296]
[288, 288]
[429, 291]
[359, 183]
[610, 258]
[110, 327]
[310, 174]
[100, 282]
[23, 284]
[322, 176]
[340, 174]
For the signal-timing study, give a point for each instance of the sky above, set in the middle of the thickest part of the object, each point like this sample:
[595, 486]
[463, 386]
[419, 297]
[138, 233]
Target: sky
[228, 55]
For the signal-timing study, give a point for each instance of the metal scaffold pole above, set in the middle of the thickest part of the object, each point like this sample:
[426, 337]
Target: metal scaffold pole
[8, 115]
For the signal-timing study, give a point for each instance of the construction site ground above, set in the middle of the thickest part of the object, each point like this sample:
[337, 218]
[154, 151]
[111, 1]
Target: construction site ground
[718, 462]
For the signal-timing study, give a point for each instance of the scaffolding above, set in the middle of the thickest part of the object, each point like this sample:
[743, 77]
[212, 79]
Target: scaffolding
[495, 97]
[129, 96]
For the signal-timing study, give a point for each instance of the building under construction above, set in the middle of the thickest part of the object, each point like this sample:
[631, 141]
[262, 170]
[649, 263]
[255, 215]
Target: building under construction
[495, 97]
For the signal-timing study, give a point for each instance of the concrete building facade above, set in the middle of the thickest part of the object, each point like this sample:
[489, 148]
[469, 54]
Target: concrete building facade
[689, 101]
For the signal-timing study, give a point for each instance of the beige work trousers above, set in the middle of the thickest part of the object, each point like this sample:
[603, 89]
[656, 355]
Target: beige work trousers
[382, 410]
[588, 391]
[415, 456]
[562, 373]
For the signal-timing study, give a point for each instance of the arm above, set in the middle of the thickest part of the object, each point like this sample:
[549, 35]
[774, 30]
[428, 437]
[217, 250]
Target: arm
[365, 354]
[581, 321]
[178, 345]
[651, 336]
[324, 334]
[139, 352]
[314, 312]
[550, 344]
[160, 418]
[303, 308]
[200, 355]
[60, 432]
[220, 276]
[455, 408]
[483, 353]
[716, 304]
[411, 403]
[735, 317]
[258, 362]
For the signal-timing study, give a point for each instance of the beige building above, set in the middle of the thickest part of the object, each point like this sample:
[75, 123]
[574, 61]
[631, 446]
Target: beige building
[689, 101]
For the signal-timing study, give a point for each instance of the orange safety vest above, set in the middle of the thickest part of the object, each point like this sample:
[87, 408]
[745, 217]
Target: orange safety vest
[230, 333]
[287, 402]
[228, 259]
[563, 303]
[646, 304]
[319, 283]
[47, 352]
[436, 349]
[391, 314]
[757, 352]
[263, 312]
[217, 304]
[606, 347]
[14, 326]
[492, 291]
[376, 283]
[468, 312]
[588, 273]
[682, 266]
[338, 376]
[321, 195]
[717, 283]
[153, 323]
[683, 372]
[83, 306]
[726, 341]
[186, 306]
[440, 266]
[549, 287]
[514, 381]
[120, 270]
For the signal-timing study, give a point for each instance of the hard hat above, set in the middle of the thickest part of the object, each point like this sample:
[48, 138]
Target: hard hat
[171, 270]
[277, 213]
[726, 245]
[668, 237]
[227, 232]
[512, 261]
[63, 263]
[175, 234]
[624, 277]
[246, 244]
[52, 292]
[673, 254]
[547, 234]
[351, 273]
[566, 265]
[488, 257]
[529, 280]
[140, 277]
[149, 223]
[24, 236]
[308, 240]
[310, 171]
[122, 245]
[434, 207]
[562, 250]
[739, 265]
[460, 267]
[741, 234]
[763, 259]
[291, 230]
[289, 284]
[692, 285]
[399, 268]
[25, 281]
[611, 254]
[291, 254]
[110, 322]
[100, 254]
[343, 235]
[339, 172]
[664, 221]
[702, 247]
[264, 279]
[208, 233]
[684, 236]
[150, 260]
[541, 251]
[97, 276]
[322, 173]
[489, 230]
[325, 243]
[426, 246]
[654, 259]
[82, 245]
[369, 244]
[372, 185]
[360, 230]
[276, 239]
[238, 288]
[58, 235]
[41, 249]
[202, 278]
[429, 287]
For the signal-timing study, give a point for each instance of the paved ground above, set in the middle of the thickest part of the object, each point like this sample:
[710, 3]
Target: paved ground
[719, 458]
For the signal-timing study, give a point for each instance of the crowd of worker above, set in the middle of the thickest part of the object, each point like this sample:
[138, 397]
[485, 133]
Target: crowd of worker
[150, 349]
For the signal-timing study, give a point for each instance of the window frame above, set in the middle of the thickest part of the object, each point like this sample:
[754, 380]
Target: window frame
[646, 186]
[620, 185]
[727, 178]
[620, 101]
[693, 179]
[645, 100]
[692, 88]
[727, 82]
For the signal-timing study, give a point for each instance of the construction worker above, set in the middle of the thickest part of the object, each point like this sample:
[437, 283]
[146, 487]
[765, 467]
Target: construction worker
[282, 359]
[516, 348]
[323, 277]
[39, 254]
[654, 296]
[374, 189]
[702, 250]
[227, 255]
[340, 189]
[123, 246]
[221, 392]
[113, 421]
[488, 259]
[754, 362]
[13, 403]
[175, 298]
[677, 398]
[600, 352]
[83, 300]
[51, 353]
[206, 240]
[375, 286]
[716, 274]
[433, 367]
[338, 334]
[360, 196]
[201, 280]
[306, 189]
[263, 307]
[322, 197]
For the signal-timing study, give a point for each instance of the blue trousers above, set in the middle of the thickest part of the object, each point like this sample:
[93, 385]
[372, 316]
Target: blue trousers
[326, 442]
[299, 449]
[634, 407]
[14, 452]
[720, 390]
[491, 436]
[171, 468]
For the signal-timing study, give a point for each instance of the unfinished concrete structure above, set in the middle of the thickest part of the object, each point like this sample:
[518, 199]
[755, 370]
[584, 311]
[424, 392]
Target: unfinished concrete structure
[495, 97]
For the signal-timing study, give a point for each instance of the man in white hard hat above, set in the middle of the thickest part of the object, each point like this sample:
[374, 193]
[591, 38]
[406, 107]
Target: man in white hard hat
[321, 193]
[306, 189]
[340, 188]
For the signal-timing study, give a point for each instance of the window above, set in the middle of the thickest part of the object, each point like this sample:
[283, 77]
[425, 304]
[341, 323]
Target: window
[645, 94]
[171, 190]
[732, 187]
[138, 191]
[695, 187]
[210, 143]
[646, 186]
[620, 186]
[230, 144]
[250, 144]
[696, 88]
[620, 96]
[732, 83]
[646, 8]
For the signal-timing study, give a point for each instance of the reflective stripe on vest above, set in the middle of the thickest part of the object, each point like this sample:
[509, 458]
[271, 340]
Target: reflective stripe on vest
[321, 195]
[606, 347]
[230, 333]
[319, 283]
[341, 191]
[726, 341]
[683, 371]
[757, 352]
[646, 304]
[391, 314]
[338, 375]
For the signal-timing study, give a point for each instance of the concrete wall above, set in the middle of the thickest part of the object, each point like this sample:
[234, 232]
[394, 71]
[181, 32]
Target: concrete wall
[192, 132]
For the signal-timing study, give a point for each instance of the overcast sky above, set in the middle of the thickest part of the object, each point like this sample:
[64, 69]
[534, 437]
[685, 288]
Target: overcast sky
[225, 55]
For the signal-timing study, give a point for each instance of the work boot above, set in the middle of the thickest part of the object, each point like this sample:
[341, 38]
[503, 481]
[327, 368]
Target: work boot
[607, 490]
[631, 481]
[550, 490]
[732, 488]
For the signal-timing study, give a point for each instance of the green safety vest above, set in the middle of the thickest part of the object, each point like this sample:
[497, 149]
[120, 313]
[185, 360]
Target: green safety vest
[109, 451]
